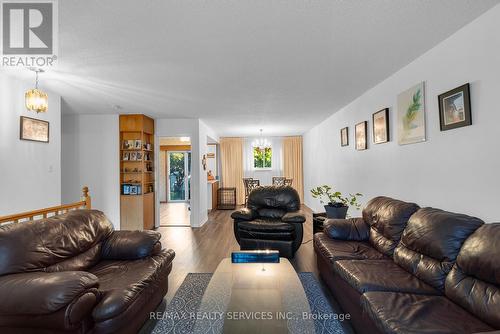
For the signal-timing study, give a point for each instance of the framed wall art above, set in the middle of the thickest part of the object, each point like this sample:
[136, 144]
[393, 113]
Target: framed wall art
[344, 136]
[454, 108]
[411, 115]
[360, 132]
[380, 121]
[34, 129]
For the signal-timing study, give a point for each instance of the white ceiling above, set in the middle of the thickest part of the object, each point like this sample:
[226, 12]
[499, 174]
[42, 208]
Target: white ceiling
[280, 65]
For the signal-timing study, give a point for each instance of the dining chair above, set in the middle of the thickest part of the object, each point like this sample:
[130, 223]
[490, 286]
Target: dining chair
[250, 184]
[279, 180]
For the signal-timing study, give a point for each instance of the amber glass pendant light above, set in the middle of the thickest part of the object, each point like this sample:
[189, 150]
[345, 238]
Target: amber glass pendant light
[35, 99]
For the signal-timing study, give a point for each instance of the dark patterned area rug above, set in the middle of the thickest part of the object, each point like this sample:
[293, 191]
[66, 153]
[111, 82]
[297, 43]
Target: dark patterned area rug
[187, 300]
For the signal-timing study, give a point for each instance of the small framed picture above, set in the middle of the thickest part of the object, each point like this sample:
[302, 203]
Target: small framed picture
[137, 144]
[454, 108]
[380, 121]
[126, 189]
[138, 156]
[126, 156]
[344, 136]
[34, 129]
[133, 156]
[360, 132]
[133, 190]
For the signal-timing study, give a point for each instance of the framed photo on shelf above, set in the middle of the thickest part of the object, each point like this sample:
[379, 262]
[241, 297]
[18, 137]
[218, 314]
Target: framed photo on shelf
[380, 121]
[137, 144]
[133, 190]
[126, 189]
[126, 156]
[344, 136]
[360, 132]
[454, 108]
[138, 156]
[34, 129]
[133, 156]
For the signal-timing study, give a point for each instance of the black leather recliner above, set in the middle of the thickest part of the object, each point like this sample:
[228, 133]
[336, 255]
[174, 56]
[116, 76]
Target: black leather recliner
[272, 220]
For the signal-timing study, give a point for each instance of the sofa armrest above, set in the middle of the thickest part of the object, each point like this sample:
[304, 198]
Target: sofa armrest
[39, 293]
[294, 217]
[244, 214]
[354, 229]
[131, 245]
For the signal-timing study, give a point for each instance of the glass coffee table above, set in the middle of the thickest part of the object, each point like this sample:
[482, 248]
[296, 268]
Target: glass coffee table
[254, 298]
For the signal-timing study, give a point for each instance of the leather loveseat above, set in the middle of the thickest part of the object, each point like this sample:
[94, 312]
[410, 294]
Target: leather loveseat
[73, 273]
[272, 220]
[405, 269]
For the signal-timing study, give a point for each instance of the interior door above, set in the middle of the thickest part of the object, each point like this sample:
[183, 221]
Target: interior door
[178, 176]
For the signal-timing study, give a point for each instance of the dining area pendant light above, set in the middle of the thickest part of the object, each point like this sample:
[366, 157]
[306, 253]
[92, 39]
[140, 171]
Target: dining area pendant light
[35, 99]
[261, 143]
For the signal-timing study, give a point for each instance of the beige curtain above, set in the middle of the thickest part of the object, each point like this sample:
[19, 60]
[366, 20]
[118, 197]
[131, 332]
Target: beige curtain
[292, 162]
[231, 153]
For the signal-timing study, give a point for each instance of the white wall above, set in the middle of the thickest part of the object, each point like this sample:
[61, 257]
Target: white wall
[90, 157]
[31, 171]
[455, 170]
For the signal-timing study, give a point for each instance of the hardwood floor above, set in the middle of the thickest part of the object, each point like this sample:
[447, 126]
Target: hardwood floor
[174, 214]
[199, 250]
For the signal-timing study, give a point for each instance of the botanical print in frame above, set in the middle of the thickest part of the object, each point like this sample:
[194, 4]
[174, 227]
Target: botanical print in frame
[454, 108]
[344, 136]
[411, 115]
[360, 132]
[34, 129]
[381, 126]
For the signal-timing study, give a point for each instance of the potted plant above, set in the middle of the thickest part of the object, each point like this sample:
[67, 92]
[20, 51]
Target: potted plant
[337, 205]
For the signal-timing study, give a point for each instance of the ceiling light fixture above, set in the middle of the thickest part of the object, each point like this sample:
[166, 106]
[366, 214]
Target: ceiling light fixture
[35, 99]
[261, 143]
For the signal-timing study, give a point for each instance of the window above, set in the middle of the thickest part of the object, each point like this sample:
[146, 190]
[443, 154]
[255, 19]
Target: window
[262, 157]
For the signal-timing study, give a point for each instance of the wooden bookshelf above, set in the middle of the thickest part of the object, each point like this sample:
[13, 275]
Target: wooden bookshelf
[137, 182]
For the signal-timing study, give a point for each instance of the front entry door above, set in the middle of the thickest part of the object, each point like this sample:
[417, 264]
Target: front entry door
[178, 176]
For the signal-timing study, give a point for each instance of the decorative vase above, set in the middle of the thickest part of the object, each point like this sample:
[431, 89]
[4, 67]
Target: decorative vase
[336, 212]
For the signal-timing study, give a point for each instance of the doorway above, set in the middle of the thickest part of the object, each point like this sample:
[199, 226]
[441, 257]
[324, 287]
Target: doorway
[175, 181]
[179, 176]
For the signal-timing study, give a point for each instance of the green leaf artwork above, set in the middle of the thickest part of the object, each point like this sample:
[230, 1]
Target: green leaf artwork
[411, 115]
[412, 111]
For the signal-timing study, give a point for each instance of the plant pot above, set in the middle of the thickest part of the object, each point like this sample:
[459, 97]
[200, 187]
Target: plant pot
[336, 212]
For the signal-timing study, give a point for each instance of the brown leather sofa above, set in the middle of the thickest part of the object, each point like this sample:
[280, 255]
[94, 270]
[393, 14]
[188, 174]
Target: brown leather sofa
[405, 269]
[74, 274]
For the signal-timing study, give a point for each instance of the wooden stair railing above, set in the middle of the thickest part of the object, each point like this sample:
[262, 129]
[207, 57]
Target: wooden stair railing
[85, 203]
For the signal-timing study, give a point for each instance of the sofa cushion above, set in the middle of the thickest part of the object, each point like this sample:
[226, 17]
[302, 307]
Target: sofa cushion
[271, 213]
[266, 229]
[347, 229]
[34, 246]
[387, 218]
[285, 198]
[474, 281]
[431, 241]
[43, 293]
[266, 225]
[395, 312]
[380, 275]
[122, 283]
[334, 250]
